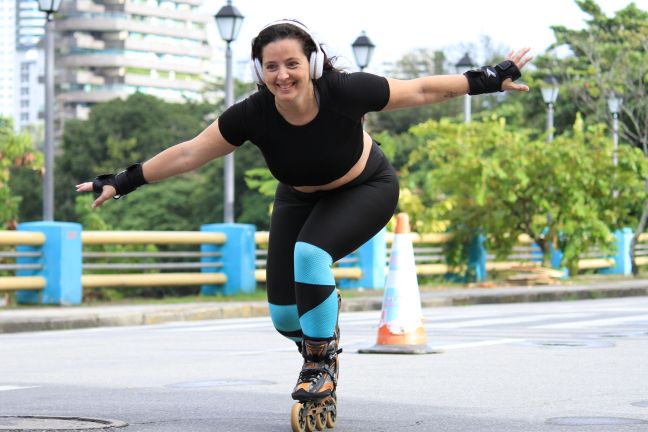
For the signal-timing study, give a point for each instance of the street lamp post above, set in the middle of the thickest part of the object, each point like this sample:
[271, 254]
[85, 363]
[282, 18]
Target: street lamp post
[614, 105]
[549, 95]
[49, 7]
[463, 66]
[229, 21]
[362, 50]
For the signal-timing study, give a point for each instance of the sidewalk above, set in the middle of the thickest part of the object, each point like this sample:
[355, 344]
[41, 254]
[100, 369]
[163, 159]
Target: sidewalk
[60, 318]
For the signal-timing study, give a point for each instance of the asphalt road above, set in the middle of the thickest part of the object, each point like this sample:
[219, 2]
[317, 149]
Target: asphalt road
[565, 366]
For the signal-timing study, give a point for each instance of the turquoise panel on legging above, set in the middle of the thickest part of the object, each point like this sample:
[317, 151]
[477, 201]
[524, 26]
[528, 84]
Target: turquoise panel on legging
[313, 265]
[284, 318]
[320, 321]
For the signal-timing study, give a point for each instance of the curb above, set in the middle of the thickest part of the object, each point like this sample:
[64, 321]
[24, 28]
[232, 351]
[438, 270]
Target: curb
[65, 318]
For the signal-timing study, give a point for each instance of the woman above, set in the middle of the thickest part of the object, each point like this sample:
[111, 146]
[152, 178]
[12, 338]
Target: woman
[336, 188]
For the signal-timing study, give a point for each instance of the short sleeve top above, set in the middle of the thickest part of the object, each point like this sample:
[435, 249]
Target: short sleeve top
[320, 151]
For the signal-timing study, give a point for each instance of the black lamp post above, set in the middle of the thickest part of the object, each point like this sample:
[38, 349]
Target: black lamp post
[550, 90]
[464, 65]
[49, 7]
[229, 21]
[363, 49]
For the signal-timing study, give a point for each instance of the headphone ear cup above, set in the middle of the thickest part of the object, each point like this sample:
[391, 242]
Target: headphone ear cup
[316, 64]
[257, 71]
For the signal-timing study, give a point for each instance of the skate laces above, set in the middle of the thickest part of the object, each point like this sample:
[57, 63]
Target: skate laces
[318, 366]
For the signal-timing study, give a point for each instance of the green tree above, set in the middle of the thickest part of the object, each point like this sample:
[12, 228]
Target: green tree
[16, 151]
[609, 55]
[117, 134]
[485, 177]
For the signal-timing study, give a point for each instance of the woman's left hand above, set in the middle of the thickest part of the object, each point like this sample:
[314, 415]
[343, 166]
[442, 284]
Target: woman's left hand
[520, 59]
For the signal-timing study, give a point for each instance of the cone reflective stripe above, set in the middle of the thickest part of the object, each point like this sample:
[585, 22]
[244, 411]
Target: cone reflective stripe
[401, 328]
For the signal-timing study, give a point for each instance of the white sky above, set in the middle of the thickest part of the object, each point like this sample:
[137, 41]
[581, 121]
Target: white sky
[399, 26]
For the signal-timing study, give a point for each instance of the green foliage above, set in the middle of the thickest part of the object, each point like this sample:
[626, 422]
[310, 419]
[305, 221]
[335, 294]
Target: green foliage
[258, 209]
[117, 134]
[262, 180]
[487, 178]
[609, 55]
[16, 151]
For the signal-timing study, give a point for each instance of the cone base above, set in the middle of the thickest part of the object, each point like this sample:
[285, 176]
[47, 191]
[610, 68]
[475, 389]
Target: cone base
[386, 337]
[400, 349]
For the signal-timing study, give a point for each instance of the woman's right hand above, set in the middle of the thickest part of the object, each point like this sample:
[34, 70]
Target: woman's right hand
[107, 193]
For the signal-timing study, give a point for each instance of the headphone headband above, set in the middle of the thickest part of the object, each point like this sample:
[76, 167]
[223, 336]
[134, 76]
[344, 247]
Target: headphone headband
[316, 60]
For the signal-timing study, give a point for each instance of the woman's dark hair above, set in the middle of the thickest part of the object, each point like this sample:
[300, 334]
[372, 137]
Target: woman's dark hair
[286, 31]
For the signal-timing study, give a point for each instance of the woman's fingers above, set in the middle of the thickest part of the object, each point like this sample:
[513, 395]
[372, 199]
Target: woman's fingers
[107, 193]
[508, 85]
[519, 57]
[84, 187]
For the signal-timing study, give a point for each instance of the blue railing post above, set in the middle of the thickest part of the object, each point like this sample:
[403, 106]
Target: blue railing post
[556, 257]
[477, 257]
[61, 260]
[622, 261]
[372, 258]
[238, 258]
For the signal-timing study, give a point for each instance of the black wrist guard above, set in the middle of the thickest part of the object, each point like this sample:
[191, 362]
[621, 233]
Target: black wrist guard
[489, 79]
[124, 183]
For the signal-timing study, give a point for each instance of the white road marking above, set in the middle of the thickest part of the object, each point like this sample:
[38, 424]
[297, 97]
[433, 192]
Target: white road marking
[508, 320]
[478, 344]
[218, 327]
[594, 323]
[13, 387]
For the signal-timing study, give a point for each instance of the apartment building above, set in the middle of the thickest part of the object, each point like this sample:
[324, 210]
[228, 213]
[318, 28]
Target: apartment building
[114, 48]
[7, 56]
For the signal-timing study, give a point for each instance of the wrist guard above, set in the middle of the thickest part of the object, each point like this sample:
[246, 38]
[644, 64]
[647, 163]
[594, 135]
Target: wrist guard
[489, 79]
[124, 183]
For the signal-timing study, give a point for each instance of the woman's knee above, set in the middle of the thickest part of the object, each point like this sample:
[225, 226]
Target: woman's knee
[312, 265]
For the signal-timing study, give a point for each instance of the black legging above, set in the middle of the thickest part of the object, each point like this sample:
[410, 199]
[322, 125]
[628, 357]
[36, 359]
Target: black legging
[309, 232]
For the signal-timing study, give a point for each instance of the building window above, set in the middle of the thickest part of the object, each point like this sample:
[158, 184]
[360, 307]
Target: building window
[24, 117]
[24, 91]
[24, 103]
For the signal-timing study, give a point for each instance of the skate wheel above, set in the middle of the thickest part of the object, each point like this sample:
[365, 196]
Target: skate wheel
[297, 418]
[310, 420]
[331, 414]
[320, 419]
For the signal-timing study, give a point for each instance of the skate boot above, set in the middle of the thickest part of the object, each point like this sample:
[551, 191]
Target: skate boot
[315, 389]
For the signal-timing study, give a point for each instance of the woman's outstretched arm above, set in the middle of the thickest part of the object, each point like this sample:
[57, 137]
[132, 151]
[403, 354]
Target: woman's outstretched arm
[439, 88]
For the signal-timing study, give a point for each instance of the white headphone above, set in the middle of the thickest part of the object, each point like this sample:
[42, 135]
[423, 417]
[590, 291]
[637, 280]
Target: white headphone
[316, 60]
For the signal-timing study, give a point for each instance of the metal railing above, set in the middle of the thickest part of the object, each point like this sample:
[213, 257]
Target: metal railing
[163, 277]
[13, 245]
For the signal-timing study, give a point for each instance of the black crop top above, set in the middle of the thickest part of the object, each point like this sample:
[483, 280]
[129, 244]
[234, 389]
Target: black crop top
[320, 151]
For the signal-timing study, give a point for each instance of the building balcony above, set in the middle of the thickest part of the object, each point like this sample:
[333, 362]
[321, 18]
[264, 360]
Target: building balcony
[100, 24]
[81, 6]
[203, 51]
[81, 41]
[116, 61]
[81, 77]
[178, 84]
[91, 97]
[139, 9]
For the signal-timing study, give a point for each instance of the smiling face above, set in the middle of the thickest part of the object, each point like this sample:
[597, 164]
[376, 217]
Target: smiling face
[286, 69]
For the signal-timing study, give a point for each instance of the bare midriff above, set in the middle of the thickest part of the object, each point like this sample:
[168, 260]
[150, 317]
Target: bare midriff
[354, 172]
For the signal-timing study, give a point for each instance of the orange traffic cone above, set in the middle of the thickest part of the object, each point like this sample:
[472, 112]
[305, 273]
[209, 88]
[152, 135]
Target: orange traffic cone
[401, 322]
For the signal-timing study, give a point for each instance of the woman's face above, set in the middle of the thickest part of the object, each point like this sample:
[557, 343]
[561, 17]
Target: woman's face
[285, 69]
